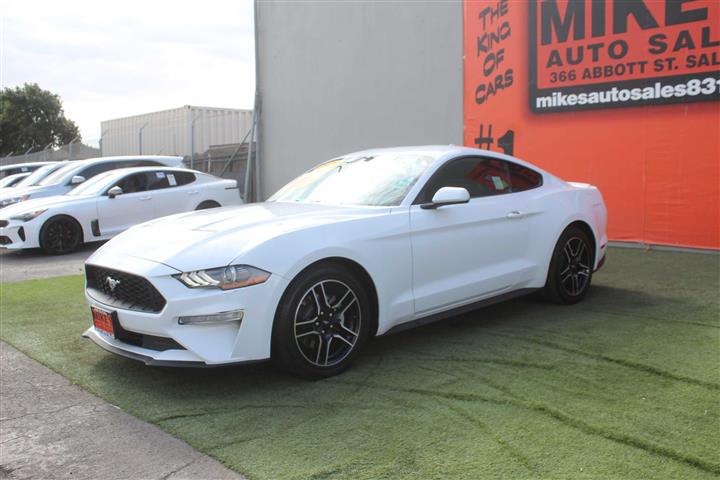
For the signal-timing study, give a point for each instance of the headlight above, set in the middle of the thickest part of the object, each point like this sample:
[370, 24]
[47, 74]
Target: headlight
[10, 201]
[24, 217]
[225, 278]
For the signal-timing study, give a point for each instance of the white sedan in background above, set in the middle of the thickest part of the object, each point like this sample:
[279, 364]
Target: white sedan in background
[11, 181]
[359, 246]
[73, 173]
[108, 204]
[20, 168]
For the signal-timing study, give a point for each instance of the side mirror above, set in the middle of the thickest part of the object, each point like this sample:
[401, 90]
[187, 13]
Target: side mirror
[447, 196]
[77, 180]
[114, 192]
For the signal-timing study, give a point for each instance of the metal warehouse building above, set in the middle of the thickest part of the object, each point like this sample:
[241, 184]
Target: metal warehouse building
[180, 131]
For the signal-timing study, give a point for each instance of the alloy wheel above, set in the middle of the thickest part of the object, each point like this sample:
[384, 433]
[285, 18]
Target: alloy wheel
[327, 323]
[575, 267]
[62, 236]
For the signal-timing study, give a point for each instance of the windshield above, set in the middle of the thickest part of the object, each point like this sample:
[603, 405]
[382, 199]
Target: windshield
[11, 180]
[57, 176]
[378, 180]
[93, 186]
[39, 174]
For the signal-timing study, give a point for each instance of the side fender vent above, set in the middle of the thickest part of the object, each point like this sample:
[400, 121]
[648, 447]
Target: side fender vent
[95, 226]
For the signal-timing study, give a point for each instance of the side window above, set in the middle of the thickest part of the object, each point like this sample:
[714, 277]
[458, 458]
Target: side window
[158, 180]
[523, 178]
[137, 182]
[183, 178]
[481, 177]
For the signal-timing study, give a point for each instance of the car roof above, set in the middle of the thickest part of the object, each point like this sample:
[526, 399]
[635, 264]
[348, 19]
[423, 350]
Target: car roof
[25, 164]
[130, 170]
[89, 161]
[441, 153]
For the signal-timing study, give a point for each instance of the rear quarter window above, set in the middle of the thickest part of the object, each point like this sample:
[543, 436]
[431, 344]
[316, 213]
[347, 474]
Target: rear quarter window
[184, 178]
[523, 178]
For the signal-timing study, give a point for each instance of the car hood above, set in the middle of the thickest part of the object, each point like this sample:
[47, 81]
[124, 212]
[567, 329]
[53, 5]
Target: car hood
[32, 205]
[43, 190]
[215, 237]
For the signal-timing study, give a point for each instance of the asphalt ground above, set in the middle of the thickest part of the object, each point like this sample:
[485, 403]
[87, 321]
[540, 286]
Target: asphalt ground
[18, 265]
[50, 428]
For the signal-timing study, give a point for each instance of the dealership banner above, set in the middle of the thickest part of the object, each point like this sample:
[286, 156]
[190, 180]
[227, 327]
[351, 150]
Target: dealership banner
[545, 80]
[586, 55]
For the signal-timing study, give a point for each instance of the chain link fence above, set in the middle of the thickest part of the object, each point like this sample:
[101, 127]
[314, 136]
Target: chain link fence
[71, 151]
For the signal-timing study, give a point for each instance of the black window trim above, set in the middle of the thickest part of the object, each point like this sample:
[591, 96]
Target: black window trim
[419, 197]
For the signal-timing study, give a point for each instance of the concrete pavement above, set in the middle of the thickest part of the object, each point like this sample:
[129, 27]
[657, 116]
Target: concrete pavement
[51, 429]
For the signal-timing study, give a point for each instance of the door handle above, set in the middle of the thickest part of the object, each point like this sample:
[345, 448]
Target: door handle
[193, 192]
[142, 199]
[515, 214]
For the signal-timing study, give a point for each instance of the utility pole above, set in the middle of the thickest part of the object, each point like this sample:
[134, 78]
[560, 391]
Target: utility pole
[100, 142]
[70, 147]
[45, 156]
[192, 140]
[140, 137]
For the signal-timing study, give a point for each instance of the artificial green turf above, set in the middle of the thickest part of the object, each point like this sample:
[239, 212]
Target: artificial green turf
[623, 385]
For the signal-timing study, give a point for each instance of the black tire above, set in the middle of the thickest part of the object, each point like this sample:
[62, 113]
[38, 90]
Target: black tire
[318, 339]
[61, 234]
[571, 267]
[207, 204]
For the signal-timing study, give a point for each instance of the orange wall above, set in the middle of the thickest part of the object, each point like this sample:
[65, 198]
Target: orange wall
[658, 166]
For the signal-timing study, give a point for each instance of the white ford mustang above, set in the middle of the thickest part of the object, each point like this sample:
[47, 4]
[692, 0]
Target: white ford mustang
[359, 246]
[108, 204]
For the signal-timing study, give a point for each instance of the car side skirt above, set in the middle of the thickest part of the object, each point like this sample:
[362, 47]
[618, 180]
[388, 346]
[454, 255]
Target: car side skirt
[435, 317]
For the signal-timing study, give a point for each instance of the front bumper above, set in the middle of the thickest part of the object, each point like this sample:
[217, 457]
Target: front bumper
[201, 344]
[17, 235]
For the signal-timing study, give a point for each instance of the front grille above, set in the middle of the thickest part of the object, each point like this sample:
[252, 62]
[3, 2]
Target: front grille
[4, 223]
[123, 290]
[5, 240]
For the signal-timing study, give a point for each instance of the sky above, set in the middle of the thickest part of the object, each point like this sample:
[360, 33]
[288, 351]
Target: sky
[115, 59]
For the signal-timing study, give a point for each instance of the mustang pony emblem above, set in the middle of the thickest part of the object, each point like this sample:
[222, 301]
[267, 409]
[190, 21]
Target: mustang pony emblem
[112, 283]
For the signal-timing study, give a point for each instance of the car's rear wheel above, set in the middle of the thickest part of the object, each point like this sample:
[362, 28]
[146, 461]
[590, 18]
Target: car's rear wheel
[321, 323]
[571, 267]
[60, 234]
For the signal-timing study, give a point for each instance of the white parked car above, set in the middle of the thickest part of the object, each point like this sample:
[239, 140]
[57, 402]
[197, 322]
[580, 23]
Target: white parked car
[109, 204]
[10, 181]
[39, 174]
[359, 246]
[6, 170]
[74, 173]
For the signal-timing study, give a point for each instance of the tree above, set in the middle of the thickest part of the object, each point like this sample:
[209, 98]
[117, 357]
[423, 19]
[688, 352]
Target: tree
[31, 117]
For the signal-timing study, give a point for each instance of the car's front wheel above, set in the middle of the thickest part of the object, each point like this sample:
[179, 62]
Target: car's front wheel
[571, 267]
[60, 234]
[321, 322]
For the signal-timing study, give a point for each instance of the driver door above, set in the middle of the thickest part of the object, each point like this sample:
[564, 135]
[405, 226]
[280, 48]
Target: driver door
[133, 206]
[467, 252]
